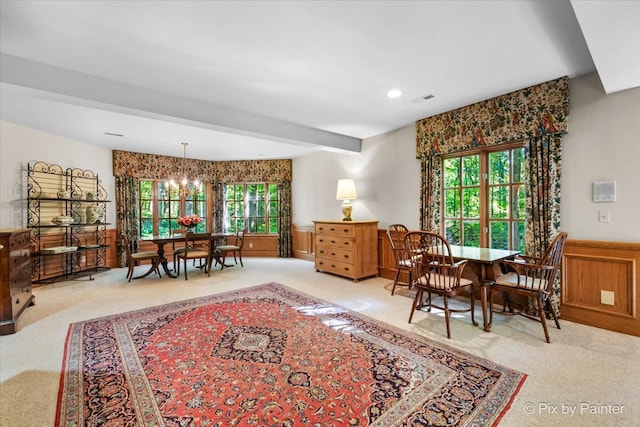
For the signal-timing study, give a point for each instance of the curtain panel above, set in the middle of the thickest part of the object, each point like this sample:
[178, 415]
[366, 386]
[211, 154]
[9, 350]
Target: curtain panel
[543, 166]
[127, 221]
[431, 193]
[516, 116]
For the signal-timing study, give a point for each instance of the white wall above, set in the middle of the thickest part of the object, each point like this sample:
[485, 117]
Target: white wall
[603, 143]
[20, 146]
[386, 174]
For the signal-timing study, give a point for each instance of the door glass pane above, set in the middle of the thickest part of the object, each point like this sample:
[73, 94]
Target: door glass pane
[273, 224]
[470, 170]
[452, 203]
[471, 233]
[452, 231]
[499, 234]
[471, 203]
[164, 227]
[518, 165]
[499, 202]
[499, 167]
[451, 172]
[146, 189]
[519, 203]
[518, 237]
[146, 228]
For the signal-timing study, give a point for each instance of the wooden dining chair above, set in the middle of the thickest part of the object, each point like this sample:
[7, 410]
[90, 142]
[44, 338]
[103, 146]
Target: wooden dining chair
[531, 277]
[396, 233]
[134, 259]
[177, 247]
[435, 272]
[198, 247]
[235, 249]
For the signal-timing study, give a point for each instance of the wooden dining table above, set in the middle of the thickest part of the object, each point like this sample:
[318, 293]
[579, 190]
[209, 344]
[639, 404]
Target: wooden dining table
[160, 241]
[483, 262]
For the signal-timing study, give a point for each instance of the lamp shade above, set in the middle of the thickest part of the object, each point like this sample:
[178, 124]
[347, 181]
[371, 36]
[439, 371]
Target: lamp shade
[346, 190]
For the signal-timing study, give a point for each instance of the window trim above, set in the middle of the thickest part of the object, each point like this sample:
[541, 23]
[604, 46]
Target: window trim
[484, 185]
[155, 199]
[245, 202]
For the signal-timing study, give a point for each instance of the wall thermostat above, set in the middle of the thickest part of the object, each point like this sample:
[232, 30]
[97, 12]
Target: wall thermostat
[604, 191]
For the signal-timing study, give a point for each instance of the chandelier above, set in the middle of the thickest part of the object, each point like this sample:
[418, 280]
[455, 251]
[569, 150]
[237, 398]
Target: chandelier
[186, 188]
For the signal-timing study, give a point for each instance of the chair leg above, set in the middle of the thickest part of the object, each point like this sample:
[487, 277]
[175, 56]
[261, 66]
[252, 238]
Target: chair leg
[447, 315]
[395, 281]
[552, 311]
[473, 308]
[543, 318]
[490, 307]
[130, 272]
[185, 268]
[415, 303]
[240, 256]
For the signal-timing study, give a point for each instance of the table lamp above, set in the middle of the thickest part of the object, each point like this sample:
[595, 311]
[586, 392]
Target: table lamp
[347, 192]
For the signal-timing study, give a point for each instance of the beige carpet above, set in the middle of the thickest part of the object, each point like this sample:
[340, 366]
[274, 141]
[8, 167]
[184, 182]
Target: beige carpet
[586, 376]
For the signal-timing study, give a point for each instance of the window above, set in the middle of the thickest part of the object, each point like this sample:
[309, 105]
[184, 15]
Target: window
[484, 198]
[254, 205]
[162, 203]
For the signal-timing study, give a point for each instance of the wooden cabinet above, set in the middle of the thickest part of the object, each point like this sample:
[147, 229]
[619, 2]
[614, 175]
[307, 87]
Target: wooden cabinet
[15, 277]
[347, 248]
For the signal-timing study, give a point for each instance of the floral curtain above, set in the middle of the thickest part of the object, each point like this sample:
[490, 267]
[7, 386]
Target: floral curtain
[218, 205]
[537, 115]
[516, 116]
[127, 221]
[284, 239]
[543, 161]
[430, 193]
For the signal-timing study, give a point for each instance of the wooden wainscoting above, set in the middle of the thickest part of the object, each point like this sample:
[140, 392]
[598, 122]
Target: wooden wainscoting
[257, 245]
[304, 242]
[590, 267]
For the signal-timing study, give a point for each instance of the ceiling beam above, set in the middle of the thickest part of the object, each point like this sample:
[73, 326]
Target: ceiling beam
[95, 92]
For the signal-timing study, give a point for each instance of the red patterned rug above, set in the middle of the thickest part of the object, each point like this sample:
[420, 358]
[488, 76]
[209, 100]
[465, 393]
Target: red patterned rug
[270, 356]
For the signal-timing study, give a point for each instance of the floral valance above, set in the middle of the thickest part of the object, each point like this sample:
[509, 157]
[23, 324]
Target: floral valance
[516, 116]
[152, 166]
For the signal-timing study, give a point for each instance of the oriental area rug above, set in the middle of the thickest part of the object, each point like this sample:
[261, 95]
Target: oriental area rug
[270, 356]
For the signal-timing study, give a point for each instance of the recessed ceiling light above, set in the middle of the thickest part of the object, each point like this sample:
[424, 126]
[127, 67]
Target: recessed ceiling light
[394, 93]
[114, 134]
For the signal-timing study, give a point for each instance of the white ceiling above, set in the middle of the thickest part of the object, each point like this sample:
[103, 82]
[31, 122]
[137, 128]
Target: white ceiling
[280, 79]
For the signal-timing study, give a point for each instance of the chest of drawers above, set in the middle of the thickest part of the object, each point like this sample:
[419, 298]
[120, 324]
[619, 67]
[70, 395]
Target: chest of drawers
[347, 248]
[15, 277]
